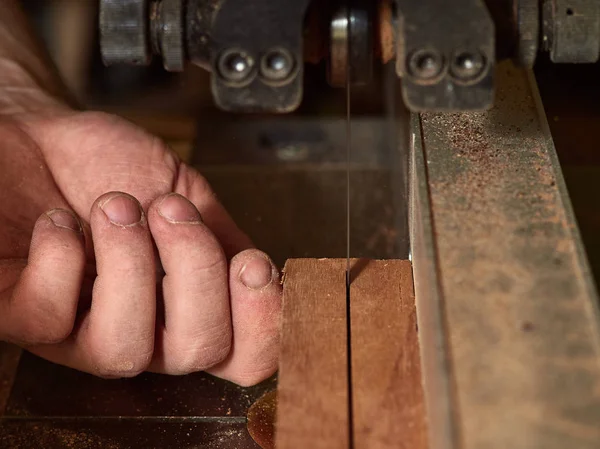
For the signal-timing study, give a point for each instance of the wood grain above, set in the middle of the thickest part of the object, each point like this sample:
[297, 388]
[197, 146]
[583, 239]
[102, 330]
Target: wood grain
[388, 409]
[312, 410]
[387, 396]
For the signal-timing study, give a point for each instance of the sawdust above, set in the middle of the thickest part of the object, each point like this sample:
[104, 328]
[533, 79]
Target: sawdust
[53, 436]
[495, 178]
[225, 439]
[495, 195]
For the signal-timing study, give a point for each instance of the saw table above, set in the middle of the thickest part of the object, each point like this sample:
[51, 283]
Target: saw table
[466, 188]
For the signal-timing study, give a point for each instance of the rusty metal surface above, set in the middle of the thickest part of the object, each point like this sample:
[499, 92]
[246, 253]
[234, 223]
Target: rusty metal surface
[519, 308]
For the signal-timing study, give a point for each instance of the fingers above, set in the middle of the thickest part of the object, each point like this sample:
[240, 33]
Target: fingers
[255, 308]
[192, 185]
[225, 320]
[197, 321]
[44, 301]
[116, 337]
[120, 335]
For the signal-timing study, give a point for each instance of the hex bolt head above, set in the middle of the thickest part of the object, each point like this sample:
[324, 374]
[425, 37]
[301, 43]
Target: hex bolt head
[425, 64]
[467, 66]
[124, 36]
[235, 65]
[277, 65]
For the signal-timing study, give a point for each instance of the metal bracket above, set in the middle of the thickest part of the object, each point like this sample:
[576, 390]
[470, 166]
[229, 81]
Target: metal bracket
[257, 59]
[572, 30]
[445, 58]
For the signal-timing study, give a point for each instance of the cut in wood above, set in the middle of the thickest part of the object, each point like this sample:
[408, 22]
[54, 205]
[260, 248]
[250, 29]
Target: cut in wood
[387, 400]
[312, 409]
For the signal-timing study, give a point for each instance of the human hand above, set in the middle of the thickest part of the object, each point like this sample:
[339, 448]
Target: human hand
[92, 209]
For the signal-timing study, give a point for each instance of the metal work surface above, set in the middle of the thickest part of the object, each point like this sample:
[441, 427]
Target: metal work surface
[517, 349]
[50, 406]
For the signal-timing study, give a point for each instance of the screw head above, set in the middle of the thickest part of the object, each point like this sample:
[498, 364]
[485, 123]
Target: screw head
[277, 65]
[425, 64]
[235, 65]
[238, 64]
[467, 66]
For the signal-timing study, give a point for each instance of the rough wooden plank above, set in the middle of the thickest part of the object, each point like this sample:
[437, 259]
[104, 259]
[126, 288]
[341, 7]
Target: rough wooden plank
[312, 409]
[387, 396]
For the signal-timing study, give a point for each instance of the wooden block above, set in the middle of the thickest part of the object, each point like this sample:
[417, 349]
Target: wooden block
[387, 396]
[312, 410]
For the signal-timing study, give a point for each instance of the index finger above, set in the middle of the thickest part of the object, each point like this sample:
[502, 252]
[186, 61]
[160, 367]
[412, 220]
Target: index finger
[194, 187]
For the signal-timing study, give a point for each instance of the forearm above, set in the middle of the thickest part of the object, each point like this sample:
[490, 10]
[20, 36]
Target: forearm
[28, 80]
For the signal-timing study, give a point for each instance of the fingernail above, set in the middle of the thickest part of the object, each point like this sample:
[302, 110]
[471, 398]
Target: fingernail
[177, 209]
[64, 219]
[122, 210]
[257, 273]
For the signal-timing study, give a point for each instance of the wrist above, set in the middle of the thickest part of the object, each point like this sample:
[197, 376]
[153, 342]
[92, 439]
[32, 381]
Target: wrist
[29, 82]
[22, 94]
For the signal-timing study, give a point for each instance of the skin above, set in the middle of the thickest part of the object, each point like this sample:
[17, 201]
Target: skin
[116, 257]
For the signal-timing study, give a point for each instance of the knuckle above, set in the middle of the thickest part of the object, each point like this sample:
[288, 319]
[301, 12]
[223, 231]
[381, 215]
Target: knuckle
[255, 370]
[54, 336]
[120, 361]
[46, 328]
[200, 354]
[38, 316]
[211, 270]
[189, 180]
[251, 378]
[120, 367]
[96, 118]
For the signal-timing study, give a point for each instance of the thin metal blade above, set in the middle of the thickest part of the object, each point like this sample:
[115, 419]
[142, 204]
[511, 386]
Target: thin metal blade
[348, 151]
[348, 277]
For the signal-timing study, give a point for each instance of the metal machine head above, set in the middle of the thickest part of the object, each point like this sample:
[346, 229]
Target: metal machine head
[445, 52]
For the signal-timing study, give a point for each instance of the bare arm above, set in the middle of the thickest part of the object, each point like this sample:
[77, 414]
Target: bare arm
[28, 80]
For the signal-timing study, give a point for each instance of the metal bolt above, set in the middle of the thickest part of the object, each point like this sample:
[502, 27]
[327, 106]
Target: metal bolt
[235, 65]
[171, 35]
[277, 65]
[467, 66]
[425, 65]
[238, 64]
[124, 32]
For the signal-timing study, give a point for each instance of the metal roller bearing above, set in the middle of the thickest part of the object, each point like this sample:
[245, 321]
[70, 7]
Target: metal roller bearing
[351, 37]
[527, 19]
